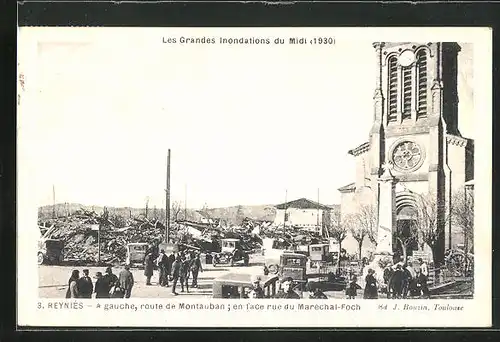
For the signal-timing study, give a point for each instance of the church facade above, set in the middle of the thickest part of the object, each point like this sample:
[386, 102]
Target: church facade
[415, 129]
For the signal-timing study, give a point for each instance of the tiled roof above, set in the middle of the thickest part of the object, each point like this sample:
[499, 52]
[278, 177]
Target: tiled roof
[303, 203]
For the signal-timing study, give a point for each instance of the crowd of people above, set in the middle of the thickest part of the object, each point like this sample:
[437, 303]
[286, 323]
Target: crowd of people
[177, 268]
[108, 285]
[400, 281]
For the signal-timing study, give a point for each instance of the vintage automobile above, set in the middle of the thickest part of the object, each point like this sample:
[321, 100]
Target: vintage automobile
[50, 251]
[136, 252]
[231, 253]
[320, 253]
[272, 251]
[293, 265]
[236, 285]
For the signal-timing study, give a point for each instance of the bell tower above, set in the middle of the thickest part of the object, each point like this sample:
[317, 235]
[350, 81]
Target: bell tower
[415, 108]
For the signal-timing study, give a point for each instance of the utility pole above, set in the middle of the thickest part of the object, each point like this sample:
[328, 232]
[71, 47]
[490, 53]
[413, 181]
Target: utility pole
[185, 202]
[167, 201]
[53, 201]
[286, 206]
[317, 219]
[147, 203]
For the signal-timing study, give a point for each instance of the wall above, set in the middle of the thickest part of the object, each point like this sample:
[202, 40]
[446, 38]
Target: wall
[299, 217]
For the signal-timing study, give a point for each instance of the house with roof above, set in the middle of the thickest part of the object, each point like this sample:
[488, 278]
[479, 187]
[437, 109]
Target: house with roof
[302, 213]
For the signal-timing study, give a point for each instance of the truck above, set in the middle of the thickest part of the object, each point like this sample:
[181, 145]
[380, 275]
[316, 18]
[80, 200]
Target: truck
[50, 251]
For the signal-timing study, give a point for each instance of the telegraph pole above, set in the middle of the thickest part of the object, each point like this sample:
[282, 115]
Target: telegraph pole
[167, 202]
[53, 201]
[185, 202]
[317, 221]
[286, 206]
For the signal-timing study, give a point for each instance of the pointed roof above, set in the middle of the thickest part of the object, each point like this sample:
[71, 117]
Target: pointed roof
[303, 203]
[348, 188]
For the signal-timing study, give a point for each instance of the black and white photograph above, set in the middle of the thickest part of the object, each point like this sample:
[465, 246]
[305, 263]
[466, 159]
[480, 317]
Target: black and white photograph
[196, 171]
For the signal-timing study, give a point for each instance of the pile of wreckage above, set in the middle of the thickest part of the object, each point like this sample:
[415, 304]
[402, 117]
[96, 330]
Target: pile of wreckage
[82, 230]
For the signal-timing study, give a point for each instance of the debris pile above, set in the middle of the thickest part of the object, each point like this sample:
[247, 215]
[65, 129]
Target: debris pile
[84, 231]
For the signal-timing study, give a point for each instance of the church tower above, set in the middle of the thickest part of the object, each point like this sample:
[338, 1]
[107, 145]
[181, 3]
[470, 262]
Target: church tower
[416, 112]
[415, 128]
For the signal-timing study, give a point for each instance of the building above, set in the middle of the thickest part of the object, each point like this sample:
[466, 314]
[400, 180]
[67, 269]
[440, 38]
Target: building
[415, 128]
[302, 213]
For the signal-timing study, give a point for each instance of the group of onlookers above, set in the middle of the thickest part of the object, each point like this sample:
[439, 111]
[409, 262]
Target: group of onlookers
[176, 267]
[400, 280]
[106, 286]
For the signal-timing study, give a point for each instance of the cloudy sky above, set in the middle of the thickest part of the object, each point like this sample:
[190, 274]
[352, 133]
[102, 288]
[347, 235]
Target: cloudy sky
[244, 123]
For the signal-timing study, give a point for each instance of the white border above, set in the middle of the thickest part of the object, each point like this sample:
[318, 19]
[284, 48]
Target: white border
[476, 312]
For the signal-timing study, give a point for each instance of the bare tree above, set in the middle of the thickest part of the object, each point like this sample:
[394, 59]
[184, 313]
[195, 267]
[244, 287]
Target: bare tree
[240, 215]
[176, 210]
[366, 217]
[336, 228]
[406, 238]
[358, 231]
[462, 215]
[431, 217]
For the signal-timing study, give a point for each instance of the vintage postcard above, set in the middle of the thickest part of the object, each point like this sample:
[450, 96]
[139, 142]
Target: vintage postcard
[254, 177]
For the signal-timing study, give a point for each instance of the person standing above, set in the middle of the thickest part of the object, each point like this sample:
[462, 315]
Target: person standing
[162, 262]
[184, 272]
[110, 279]
[72, 291]
[148, 267]
[171, 260]
[126, 281]
[195, 269]
[101, 289]
[85, 285]
[396, 282]
[407, 280]
[424, 277]
[352, 288]
[388, 272]
[371, 291]
[176, 269]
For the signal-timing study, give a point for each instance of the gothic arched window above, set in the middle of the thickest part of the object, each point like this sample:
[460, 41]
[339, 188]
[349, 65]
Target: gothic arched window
[393, 89]
[407, 83]
[422, 84]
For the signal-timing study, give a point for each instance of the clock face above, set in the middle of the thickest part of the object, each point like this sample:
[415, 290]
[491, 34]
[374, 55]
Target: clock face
[406, 156]
[406, 58]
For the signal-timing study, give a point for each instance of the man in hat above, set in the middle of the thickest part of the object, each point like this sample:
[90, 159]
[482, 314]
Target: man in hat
[110, 279]
[195, 269]
[184, 272]
[101, 289]
[286, 290]
[396, 283]
[85, 286]
[148, 267]
[424, 275]
[162, 262]
[176, 270]
[257, 290]
[126, 281]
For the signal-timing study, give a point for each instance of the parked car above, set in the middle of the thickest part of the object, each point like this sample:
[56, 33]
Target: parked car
[50, 251]
[231, 253]
[236, 285]
[136, 252]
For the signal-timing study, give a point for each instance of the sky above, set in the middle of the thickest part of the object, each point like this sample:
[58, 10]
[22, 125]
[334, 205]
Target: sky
[245, 124]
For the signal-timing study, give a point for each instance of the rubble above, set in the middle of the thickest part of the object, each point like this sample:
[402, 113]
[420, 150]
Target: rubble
[80, 232]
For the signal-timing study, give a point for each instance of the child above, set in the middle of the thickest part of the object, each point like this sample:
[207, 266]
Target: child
[352, 288]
